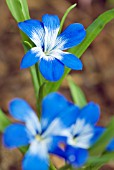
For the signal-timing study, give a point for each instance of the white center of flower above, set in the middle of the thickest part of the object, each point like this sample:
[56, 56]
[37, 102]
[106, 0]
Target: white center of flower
[38, 138]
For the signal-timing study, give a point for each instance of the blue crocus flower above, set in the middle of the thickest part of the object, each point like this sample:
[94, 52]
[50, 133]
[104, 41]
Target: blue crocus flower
[49, 46]
[83, 134]
[43, 136]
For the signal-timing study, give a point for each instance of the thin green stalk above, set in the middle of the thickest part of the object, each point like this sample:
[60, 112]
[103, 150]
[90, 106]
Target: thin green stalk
[34, 80]
[65, 15]
[52, 167]
[38, 75]
[65, 167]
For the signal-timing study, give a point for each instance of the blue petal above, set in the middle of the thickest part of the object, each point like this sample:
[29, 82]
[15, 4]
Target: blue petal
[90, 113]
[16, 135]
[59, 152]
[70, 61]
[30, 58]
[54, 147]
[21, 110]
[51, 108]
[34, 30]
[36, 158]
[110, 146]
[63, 121]
[72, 36]
[52, 70]
[51, 26]
[98, 131]
[76, 156]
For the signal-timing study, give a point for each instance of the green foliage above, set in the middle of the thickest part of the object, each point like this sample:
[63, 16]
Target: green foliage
[4, 121]
[99, 147]
[19, 9]
[65, 15]
[25, 9]
[96, 162]
[93, 31]
[77, 94]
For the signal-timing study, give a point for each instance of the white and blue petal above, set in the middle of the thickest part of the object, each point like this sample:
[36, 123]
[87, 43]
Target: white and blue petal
[37, 157]
[68, 59]
[76, 156]
[73, 35]
[84, 135]
[90, 113]
[16, 135]
[62, 122]
[52, 105]
[31, 57]
[84, 138]
[51, 26]
[81, 134]
[88, 136]
[51, 69]
[34, 30]
[21, 110]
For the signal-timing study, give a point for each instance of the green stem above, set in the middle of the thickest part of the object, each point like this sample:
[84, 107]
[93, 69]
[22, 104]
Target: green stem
[65, 167]
[34, 80]
[52, 167]
[64, 17]
[38, 74]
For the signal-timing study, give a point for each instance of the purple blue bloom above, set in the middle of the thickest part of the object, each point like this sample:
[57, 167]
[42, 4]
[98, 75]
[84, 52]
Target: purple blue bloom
[49, 46]
[42, 135]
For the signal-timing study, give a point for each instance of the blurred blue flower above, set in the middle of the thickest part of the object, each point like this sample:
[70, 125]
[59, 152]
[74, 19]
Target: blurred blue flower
[43, 136]
[83, 134]
[49, 46]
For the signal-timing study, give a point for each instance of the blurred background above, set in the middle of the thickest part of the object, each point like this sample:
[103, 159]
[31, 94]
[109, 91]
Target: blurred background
[96, 79]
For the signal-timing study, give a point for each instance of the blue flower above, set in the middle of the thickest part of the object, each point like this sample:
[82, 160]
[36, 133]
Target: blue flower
[49, 46]
[43, 136]
[83, 134]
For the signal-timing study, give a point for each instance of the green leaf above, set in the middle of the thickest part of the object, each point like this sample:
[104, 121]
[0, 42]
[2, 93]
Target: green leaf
[52, 167]
[99, 147]
[92, 32]
[27, 46]
[97, 162]
[19, 9]
[65, 15]
[4, 121]
[25, 9]
[23, 149]
[77, 94]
